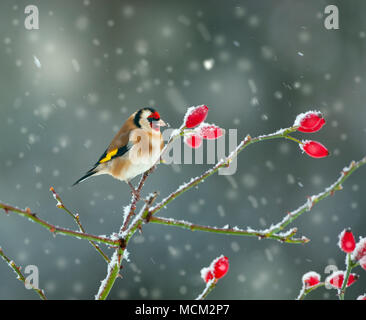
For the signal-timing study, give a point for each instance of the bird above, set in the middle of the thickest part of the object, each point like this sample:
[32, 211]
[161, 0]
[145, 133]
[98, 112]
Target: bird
[135, 148]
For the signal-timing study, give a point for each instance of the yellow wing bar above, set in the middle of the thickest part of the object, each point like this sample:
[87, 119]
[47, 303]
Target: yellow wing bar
[109, 155]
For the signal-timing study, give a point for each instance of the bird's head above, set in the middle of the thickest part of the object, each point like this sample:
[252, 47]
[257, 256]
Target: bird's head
[147, 119]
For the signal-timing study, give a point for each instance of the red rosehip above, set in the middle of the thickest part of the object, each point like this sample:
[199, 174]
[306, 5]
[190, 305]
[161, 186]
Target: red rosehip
[193, 140]
[217, 269]
[314, 149]
[360, 250]
[195, 116]
[210, 131]
[336, 279]
[311, 121]
[310, 279]
[362, 297]
[347, 241]
[221, 267]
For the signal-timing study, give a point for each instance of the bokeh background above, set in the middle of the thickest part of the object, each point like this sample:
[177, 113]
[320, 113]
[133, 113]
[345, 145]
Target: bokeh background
[256, 64]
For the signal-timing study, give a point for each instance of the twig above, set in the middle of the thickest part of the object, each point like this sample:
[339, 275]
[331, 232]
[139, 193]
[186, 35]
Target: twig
[231, 231]
[349, 265]
[55, 229]
[305, 291]
[135, 199]
[20, 275]
[209, 287]
[76, 217]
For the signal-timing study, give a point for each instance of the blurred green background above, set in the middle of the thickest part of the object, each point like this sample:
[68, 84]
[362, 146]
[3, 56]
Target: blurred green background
[101, 61]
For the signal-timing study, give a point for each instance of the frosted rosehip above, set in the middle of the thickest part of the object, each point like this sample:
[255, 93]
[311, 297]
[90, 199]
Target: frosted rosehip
[314, 149]
[210, 131]
[311, 121]
[193, 140]
[347, 241]
[221, 267]
[217, 269]
[310, 279]
[362, 297]
[336, 279]
[196, 116]
[360, 250]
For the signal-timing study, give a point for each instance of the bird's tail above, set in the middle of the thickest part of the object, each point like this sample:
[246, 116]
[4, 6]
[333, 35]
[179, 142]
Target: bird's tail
[90, 173]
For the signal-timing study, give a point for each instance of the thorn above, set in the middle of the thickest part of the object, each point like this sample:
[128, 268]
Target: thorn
[140, 228]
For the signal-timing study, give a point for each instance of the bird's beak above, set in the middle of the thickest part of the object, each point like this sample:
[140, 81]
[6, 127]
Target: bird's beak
[161, 123]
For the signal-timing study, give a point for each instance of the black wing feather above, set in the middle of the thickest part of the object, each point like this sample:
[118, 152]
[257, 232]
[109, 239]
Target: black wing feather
[121, 151]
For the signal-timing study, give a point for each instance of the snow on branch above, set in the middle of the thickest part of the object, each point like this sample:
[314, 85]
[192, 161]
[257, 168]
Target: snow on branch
[27, 213]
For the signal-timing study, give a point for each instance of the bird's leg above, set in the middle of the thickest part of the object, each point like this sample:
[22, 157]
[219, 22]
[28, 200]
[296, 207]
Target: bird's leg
[135, 192]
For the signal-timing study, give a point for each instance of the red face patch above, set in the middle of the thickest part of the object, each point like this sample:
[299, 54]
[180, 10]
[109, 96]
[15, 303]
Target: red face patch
[155, 116]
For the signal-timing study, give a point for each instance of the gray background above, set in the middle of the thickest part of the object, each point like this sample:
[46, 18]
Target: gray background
[57, 120]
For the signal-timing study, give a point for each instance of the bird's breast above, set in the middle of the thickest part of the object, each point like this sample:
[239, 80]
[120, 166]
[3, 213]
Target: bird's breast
[141, 157]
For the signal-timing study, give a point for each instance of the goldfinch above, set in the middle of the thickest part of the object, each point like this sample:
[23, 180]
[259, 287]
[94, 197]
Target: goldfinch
[135, 148]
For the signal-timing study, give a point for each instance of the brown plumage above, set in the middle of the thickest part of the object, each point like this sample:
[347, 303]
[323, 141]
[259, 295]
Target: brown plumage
[134, 149]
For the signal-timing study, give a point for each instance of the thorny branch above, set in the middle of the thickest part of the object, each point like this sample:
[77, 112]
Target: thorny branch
[76, 217]
[27, 213]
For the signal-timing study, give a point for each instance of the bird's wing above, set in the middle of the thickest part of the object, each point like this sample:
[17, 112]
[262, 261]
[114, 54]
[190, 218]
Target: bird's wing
[120, 144]
[114, 153]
